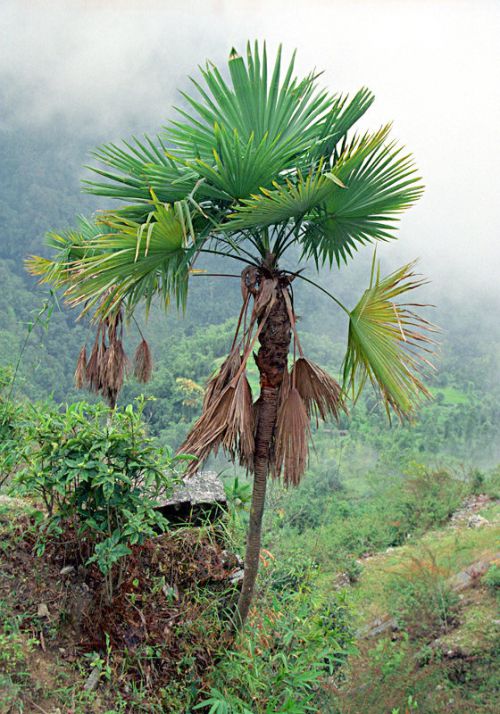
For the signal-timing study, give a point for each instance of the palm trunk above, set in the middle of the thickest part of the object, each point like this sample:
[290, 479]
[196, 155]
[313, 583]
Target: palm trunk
[272, 362]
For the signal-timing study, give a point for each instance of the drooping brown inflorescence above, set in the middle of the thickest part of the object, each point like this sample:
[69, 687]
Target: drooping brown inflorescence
[81, 369]
[104, 371]
[143, 362]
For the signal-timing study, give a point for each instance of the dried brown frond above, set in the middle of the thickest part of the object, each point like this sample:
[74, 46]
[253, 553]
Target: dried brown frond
[114, 366]
[81, 369]
[321, 393]
[222, 378]
[266, 295]
[93, 370]
[143, 362]
[228, 421]
[208, 432]
[291, 446]
[239, 434]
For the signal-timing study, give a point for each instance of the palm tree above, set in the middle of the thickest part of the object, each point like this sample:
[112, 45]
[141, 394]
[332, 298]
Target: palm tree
[257, 164]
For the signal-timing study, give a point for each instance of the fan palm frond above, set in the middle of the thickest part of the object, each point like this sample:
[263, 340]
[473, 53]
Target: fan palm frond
[380, 181]
[68, 247]
[388, 343]
[131, 262]
[321, 393]
[294, 199]
[342, 115]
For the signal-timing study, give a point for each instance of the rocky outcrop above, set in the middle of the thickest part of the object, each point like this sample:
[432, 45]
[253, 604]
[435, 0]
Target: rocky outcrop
[198, 498]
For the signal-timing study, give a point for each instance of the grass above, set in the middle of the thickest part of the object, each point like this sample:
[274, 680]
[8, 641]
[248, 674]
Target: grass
[450, 395]
[453, 550]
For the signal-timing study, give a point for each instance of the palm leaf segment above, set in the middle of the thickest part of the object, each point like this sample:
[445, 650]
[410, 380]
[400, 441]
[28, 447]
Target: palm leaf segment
[387, 343]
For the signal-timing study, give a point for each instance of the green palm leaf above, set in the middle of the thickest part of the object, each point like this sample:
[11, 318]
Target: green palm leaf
[293, 200]
[381, 182]
[246, 133]
[129, 262]
[388, 343]
[340, 118]
[68, 246]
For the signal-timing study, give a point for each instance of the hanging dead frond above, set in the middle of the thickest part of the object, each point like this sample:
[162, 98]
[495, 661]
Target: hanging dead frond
[266, 296]
[222, 378]
[228, 416]
[81, 369]
[322, 395]
[93, 370]
[238, 438]
[114, 366]
[143, 362]
[291, 446]
[227, 422]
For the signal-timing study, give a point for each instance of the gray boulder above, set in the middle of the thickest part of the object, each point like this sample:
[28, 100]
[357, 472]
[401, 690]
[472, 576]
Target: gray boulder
[198, 498]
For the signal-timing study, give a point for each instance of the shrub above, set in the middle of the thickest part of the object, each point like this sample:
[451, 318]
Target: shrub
[421, 599]
[11, 441]
[430, 497]
[492, 579]
[99, 475]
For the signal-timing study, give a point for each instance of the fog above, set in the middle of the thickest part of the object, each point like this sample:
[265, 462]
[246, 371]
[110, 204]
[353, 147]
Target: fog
[112, 68]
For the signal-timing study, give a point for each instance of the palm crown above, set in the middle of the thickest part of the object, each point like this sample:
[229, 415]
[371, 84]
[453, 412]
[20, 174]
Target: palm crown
[251, 167]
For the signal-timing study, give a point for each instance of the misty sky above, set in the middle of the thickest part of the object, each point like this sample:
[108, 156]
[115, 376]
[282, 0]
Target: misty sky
[112, 67]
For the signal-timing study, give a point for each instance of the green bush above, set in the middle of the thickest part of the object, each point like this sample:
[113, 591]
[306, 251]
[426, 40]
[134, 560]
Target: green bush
[430, 497]
[492, 578]
[14, 669]
[97, 473]
[11, 441]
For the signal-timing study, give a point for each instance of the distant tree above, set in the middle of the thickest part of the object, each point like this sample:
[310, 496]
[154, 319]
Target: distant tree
[249, 169]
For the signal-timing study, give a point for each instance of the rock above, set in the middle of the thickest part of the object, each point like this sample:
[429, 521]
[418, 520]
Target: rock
[466, 578]
[43, 611]
[477, 521]
[461, 581]
[470, 506]
[66, 570]
[237, 576]
[200, 497]
[92, 679]
[341, 580]
[378, 627]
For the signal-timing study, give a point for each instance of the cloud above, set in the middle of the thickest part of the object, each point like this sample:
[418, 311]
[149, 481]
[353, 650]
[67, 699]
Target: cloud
[113, 68]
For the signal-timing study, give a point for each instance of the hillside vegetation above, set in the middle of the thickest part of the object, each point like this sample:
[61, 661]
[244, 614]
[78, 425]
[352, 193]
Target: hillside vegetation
[364, 601]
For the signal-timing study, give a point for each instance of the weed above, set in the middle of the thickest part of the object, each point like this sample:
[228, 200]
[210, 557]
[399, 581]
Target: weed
[420, 597]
